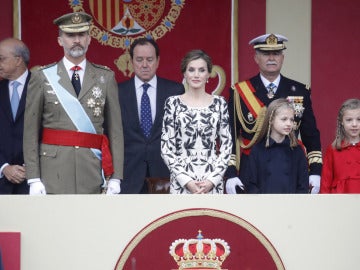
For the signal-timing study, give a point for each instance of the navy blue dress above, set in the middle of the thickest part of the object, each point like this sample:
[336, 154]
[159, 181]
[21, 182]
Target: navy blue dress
[277, 169]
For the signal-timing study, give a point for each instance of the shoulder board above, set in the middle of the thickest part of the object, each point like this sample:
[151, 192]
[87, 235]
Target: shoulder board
[35, 68]
[101, 66]
[46, 66]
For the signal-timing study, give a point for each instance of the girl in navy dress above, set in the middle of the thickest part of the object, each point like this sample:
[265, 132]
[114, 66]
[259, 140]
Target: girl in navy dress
[277, 161]
[341, 167]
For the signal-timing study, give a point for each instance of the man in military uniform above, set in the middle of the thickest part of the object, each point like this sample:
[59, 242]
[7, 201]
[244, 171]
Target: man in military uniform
[70, 107]
[247, 104]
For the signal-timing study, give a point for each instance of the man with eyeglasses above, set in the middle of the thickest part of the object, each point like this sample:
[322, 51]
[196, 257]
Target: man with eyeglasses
[247, 104]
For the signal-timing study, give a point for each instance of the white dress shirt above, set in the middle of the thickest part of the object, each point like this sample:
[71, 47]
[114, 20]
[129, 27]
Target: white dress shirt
[266, 82]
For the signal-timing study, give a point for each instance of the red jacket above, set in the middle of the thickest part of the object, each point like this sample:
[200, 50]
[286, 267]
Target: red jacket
[341, 170]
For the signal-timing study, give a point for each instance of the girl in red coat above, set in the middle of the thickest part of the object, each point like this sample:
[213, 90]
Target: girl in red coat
[341, 166]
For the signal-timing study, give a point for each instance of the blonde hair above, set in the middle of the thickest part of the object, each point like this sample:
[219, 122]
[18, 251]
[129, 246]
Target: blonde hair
[350, 104]
[271, 112]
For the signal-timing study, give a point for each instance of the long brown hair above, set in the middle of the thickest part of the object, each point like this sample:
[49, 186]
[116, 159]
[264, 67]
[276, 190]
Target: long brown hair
[194, 55]
[271, 112]
[350, 104]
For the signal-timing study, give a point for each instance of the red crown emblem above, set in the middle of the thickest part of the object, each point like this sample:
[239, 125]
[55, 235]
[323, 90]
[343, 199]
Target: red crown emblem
[199, 253]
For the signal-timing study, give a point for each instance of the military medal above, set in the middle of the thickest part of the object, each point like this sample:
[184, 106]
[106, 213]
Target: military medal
[270, 94]
[250, 117]
[297, 103]
[96, 101]
[270, 89]
[76, 74]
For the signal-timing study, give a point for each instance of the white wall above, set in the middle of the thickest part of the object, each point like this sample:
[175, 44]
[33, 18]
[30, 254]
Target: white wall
[292, 18]
[91, 231]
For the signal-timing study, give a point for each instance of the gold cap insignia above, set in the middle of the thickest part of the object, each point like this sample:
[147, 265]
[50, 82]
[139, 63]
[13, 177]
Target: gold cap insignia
[271, 40]
[74, 22]
[76, 18]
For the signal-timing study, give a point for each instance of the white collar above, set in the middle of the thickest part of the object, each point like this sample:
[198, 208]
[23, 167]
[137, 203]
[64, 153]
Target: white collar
[266, 82]
[139, 83]
[21, 79]
[68, 65]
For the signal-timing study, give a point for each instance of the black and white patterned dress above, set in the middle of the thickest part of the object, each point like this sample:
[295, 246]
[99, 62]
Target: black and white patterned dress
[189, 143]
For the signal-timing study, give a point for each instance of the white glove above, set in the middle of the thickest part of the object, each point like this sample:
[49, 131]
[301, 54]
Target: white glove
[113, 187]
[231, 184]
[36, 187]
[314, 182]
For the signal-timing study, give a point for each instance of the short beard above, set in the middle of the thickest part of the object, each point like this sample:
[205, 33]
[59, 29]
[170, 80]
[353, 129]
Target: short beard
[77, 52]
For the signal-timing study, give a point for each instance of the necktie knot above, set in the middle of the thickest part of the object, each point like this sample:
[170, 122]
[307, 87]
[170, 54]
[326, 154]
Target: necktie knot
[15, 84]
[76, 68]
[271, 86]
[145, 87]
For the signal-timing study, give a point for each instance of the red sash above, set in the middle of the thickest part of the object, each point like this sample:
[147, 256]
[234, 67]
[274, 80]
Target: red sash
[246, 91]
[243, 150]
[253, 104]
[81, 139]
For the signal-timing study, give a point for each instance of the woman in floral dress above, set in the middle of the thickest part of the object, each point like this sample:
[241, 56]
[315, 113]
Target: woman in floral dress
[196, 140]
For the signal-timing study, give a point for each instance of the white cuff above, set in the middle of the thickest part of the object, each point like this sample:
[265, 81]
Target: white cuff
[33, 180]
[1, 169]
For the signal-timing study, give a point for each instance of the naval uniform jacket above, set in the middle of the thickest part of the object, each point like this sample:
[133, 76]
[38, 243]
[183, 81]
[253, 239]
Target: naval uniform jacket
[11, 137]
[305, 122]
[71, 169]
[142, 155]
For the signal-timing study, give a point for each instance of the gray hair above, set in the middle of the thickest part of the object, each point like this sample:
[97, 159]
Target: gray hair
[21, 50]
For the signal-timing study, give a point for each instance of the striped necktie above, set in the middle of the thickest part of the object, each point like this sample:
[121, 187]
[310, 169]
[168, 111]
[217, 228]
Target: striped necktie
[271, 90]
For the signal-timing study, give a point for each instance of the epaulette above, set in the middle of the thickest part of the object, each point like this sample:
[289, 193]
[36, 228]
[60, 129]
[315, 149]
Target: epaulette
[101, 66]
[35, 68]
[46, 66]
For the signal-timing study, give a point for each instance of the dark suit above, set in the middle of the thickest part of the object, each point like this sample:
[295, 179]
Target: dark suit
[142, 155]
[306, 122]
[11, 137]
[1, 263]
